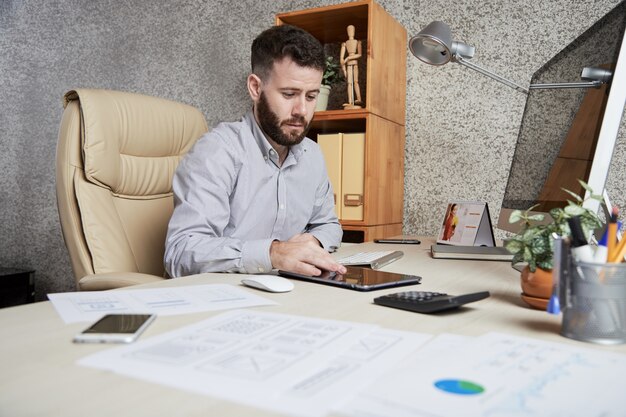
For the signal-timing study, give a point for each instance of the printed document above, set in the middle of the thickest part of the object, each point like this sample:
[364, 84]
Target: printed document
[498, 375]
[91, 305]
[289, 364]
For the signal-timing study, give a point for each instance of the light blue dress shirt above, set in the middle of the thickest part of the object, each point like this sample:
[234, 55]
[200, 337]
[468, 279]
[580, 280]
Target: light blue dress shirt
[231, 200]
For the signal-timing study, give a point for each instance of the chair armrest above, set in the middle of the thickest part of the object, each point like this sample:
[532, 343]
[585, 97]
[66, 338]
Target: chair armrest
[111, 280]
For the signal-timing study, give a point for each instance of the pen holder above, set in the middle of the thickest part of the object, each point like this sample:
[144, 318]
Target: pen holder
[593, 301]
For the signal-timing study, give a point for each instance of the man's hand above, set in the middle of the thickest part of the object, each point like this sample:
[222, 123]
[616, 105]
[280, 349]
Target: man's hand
[304, 255]
[305, 237]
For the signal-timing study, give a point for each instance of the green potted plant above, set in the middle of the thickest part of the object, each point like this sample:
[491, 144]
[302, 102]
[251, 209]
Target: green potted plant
[332, 75]
[534, 243]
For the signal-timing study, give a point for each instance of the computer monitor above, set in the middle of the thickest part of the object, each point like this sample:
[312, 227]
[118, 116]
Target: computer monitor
[570, 134]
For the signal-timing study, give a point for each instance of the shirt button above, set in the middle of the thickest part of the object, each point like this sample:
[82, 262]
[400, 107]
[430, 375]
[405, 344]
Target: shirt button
[261, 269]
[282, 206]
[265, 157]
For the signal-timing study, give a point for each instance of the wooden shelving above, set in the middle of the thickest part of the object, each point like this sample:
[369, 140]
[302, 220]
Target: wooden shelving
[383, 117]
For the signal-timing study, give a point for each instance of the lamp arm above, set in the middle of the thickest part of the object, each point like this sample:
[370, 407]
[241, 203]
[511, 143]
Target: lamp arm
[459, 59]
[589, 84]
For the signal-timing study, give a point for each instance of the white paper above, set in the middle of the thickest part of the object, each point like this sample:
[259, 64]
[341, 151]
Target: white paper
[513, 376]
[91, 305]
[293, 365]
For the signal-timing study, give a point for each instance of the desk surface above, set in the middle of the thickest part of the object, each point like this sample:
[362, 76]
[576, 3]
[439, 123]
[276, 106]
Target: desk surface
[40, 377]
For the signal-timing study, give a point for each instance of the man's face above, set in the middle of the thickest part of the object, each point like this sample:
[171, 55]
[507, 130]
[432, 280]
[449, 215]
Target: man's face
[285, 101]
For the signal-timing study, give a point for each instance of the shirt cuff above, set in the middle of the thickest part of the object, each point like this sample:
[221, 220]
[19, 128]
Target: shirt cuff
[329, 243]
[255, 256]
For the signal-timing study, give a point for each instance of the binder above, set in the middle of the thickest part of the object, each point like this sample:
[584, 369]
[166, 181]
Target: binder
[353, 176]
[332, 148]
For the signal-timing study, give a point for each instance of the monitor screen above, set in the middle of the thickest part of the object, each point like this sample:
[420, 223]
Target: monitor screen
[560, 128]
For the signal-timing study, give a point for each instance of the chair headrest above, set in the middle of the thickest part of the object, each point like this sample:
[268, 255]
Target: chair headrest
[132, 143]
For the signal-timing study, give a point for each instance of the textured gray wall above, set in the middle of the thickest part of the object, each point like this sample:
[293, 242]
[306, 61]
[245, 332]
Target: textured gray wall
[461, 127]
[550, 113]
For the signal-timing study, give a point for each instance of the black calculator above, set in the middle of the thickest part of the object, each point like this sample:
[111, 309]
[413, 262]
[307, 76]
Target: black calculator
[428, 302]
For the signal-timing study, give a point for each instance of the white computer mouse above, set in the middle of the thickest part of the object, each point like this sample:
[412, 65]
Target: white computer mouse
[271, 283]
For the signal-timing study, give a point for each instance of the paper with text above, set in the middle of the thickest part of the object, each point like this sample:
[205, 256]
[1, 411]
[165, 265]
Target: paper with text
[289, 364]
[91, 305]
[498, 375]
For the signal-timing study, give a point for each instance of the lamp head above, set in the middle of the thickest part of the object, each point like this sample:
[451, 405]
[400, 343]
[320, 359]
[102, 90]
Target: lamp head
[433, 45]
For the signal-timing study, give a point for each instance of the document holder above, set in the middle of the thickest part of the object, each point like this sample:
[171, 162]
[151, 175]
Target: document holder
[467, 233]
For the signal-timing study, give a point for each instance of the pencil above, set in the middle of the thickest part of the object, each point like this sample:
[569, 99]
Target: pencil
[620, 252]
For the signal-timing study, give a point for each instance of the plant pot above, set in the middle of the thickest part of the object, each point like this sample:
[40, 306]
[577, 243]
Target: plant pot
[322, 98]
[536, 287]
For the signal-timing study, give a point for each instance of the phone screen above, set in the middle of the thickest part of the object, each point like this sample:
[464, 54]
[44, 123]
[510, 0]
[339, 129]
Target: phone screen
[116, 328]
[118, 323]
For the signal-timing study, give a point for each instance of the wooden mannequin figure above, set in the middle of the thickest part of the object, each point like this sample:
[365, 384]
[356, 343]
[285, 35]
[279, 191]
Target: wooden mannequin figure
[350, 67]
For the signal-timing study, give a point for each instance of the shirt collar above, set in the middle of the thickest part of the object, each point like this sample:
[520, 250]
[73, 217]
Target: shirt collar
[266, 148]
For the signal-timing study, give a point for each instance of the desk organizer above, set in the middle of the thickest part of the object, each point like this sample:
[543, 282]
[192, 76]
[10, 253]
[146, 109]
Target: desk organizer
[593, 301]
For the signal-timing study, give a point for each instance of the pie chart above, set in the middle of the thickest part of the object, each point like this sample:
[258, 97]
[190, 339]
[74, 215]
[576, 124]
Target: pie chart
[459, 387]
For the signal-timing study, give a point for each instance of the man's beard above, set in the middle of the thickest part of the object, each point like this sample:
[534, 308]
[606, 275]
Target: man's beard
[271, 124]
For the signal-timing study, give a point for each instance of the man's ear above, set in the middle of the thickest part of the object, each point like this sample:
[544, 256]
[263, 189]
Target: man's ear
[254, 87]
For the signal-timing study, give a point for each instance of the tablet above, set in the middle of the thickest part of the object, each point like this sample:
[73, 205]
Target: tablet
[360, 279]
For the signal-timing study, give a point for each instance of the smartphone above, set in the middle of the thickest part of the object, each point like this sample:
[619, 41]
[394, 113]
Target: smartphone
[405, 241]
[115, 328]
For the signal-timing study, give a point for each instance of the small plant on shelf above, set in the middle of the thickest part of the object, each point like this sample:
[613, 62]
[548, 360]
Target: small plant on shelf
[332, 73]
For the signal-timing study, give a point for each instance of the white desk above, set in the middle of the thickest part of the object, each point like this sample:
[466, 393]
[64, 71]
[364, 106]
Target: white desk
[37, 357]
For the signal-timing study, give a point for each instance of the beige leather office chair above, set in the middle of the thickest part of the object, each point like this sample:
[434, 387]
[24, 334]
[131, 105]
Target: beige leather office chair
[116, 156]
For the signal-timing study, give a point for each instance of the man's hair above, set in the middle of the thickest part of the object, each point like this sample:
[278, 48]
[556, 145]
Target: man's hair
[278, 42]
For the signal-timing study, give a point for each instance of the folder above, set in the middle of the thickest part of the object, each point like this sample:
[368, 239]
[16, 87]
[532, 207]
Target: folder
[332, 145]
[353, 176]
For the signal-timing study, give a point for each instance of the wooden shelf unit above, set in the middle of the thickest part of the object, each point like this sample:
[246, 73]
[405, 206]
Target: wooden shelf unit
[383, 117]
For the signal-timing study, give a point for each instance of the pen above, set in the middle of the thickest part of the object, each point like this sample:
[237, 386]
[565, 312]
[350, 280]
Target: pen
[602, 252]
[580, 248]
[554, 305]
[612, 233]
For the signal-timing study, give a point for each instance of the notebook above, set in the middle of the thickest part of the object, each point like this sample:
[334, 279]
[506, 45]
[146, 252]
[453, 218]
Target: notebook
[372, 259]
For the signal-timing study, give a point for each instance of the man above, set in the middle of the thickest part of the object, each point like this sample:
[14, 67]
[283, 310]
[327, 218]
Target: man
[254, 195]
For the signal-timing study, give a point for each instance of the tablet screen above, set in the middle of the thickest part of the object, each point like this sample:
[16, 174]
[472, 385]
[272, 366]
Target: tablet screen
[361, 279]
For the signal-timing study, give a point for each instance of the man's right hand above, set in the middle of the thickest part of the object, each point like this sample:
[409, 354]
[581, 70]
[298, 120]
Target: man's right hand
[302, 254]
